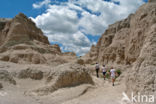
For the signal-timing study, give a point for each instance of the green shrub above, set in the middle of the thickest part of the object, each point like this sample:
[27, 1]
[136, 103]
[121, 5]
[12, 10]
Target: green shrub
[92, 64]
[108, 75]
[118, 71]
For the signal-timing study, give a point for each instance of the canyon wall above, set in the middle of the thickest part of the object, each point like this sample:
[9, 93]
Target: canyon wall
[131, 42]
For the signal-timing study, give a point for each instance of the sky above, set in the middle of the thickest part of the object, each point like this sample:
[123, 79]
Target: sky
[75, 25]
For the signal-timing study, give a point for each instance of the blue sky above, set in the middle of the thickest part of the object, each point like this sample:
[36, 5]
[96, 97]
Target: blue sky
[10, 8]
[73, 24]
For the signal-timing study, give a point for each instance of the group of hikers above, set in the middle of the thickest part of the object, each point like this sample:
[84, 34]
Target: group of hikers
[112, 72]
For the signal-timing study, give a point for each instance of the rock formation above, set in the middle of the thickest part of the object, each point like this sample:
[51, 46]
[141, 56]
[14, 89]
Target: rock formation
[6, 77]
[65, 75]
[48, 79]
[20, 30]
[22, 42]
[131, 41]
[30, 73]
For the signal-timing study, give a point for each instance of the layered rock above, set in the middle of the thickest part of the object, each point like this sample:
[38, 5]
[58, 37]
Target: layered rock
[112, 46]
[44, 79]
[65, 75]
[22, 42]
[143, 72]
[131, 41]
[122, 42]
[20, 30]
[30, 73]
[6, 77]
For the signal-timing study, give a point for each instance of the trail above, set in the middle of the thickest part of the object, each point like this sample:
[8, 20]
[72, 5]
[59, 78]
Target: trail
[104, 93]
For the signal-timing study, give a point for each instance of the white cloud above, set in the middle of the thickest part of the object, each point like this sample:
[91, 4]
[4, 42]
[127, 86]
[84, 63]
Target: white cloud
[76, 42]
[72, 6]
[69, 22]
[40, 4]
[92, 24]
[110, 12]
[58, 19]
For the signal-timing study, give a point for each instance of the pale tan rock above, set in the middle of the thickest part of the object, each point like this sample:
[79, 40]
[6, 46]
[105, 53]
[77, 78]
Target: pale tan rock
[22, 42]
[30, 73]
[65, 75]
[6, 77]
[71, 92]
[111, 46]
[69, 53]
[21, 29]
[131, 42]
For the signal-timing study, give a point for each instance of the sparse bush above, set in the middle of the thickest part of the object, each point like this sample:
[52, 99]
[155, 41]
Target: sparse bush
[118, 71]
[108, 74]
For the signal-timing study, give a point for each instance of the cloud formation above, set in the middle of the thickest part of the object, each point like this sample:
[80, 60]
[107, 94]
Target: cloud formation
[41, 4]
[70, 23]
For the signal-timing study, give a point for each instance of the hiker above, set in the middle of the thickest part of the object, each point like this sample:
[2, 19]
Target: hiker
[113, 73]
[97, 69]
[104, 71]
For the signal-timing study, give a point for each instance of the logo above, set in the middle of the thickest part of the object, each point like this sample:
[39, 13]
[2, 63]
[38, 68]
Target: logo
[137, 98]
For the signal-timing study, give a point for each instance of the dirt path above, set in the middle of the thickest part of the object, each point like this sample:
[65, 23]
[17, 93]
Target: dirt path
[102, 93]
